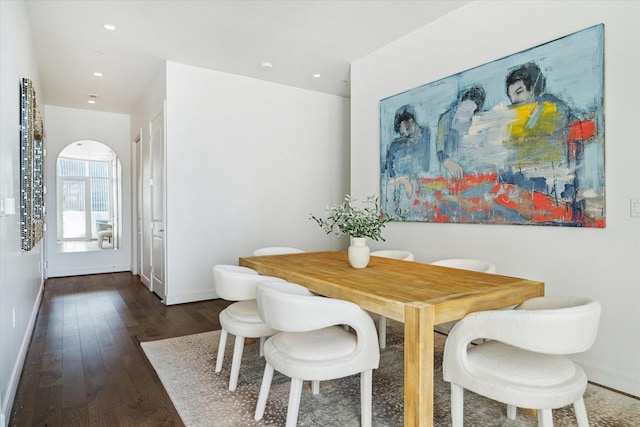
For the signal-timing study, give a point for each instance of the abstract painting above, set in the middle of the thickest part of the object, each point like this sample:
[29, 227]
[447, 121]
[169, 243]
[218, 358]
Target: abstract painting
[519, 140]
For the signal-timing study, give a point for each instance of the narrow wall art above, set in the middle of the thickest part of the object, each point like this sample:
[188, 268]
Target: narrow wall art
[519, 140]
[31, 168]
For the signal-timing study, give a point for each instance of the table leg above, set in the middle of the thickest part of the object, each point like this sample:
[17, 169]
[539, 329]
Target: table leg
[418, 364]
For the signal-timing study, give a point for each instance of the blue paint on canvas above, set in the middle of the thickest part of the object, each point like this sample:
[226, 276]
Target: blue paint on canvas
[519, 140]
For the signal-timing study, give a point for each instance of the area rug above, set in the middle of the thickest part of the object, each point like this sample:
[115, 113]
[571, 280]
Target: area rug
[185, 365]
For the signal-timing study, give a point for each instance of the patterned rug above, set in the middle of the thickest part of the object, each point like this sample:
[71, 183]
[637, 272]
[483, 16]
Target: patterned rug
[185, 365]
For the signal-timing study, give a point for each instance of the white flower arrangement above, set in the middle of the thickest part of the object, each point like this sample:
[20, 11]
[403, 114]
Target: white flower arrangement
[345, 218]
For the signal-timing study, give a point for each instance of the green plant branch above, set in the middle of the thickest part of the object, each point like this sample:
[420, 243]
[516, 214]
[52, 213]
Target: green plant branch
[345, 218]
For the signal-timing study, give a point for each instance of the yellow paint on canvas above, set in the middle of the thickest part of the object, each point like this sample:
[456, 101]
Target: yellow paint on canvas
[538, 118]
[531, 131]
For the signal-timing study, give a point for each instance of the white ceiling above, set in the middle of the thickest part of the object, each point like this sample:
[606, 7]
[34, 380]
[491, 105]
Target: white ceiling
[299, 37]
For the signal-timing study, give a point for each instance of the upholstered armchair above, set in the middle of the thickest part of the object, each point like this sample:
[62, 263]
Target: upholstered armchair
[522, 360]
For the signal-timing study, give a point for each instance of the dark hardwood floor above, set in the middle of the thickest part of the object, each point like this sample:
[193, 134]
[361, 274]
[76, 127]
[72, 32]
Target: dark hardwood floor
[85, 367]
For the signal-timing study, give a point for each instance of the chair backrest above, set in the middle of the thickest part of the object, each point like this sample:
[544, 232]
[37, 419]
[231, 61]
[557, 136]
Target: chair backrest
[571, 321]
[552, 325]
[236, 283]
[467, 264]
[103, 225]
[395, 254]
[290, 307]
[276, 250]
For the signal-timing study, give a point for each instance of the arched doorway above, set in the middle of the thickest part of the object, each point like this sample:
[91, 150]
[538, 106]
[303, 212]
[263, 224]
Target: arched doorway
[88, 198]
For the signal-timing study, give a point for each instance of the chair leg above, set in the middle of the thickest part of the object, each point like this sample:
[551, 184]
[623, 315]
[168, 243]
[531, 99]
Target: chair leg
[382, 331]
[457, 405]
[294, 402]
[511, 412]
[262, 340]
[235, 362]
[221, 347]
[366, 389]
[545, 418]
[315, 387]
[264, 391]
[581, 413]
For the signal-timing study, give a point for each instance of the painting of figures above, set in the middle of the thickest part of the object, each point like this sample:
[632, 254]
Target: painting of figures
[519, 140]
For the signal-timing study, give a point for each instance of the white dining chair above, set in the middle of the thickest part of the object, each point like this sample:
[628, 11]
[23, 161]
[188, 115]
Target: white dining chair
[105, 232]
[382, 320]
[471, 264]
[395, 254]
[467, 264]
[313, 346]
[276, 250]
[521, 361]
[235, 283]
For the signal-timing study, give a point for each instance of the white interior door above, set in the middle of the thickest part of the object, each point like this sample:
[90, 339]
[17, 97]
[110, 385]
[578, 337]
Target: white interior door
[157, 206]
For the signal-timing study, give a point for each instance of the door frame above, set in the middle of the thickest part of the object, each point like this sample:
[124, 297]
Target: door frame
[136, 183]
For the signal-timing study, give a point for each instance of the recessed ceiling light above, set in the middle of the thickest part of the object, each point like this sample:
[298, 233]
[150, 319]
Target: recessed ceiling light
[266, 65]
[109, 27]
[97, 74]
[317, 76]
[91, 101]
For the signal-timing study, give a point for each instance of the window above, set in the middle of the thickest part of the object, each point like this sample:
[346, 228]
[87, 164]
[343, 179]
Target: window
[85, 197]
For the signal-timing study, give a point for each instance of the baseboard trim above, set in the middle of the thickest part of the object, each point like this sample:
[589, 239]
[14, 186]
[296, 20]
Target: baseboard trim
[613, 380]
[14, 380]
[88, 270]
[171, 299]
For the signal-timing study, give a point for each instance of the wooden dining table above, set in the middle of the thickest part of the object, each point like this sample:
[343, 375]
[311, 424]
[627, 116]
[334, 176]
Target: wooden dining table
[419, 295]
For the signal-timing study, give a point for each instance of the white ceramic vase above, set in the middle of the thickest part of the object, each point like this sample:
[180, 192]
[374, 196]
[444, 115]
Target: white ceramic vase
[359, 252]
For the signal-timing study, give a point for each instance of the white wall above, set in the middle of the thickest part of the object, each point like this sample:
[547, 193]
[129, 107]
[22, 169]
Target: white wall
[599, 263]
[247, 162]
[63, 127]
[20, 272]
